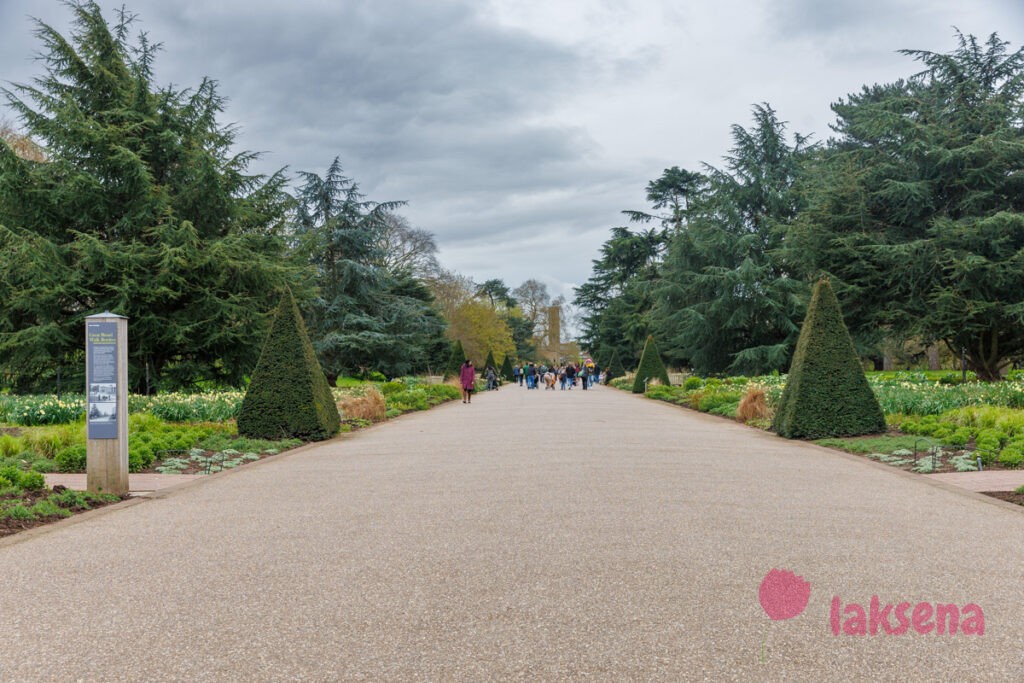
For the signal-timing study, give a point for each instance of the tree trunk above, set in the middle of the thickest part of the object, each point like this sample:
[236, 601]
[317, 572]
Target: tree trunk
[934, 361]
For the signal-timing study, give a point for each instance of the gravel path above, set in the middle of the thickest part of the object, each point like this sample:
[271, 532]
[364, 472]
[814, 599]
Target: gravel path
[530, 535]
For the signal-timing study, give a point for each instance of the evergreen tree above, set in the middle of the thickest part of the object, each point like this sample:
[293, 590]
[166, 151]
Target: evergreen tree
[650, 368]
[288, 396]
[614, 368]
[727, 302]
[615, 302]
[827, 393]
[138, 207]
[917, 208]
[455, 359]
[364, 317]
[506, 368]
[490, 362]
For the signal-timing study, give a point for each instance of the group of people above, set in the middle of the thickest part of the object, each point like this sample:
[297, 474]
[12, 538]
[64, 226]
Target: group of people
[566, 375]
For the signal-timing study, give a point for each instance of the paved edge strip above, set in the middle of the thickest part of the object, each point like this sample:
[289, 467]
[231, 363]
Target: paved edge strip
[29, 534]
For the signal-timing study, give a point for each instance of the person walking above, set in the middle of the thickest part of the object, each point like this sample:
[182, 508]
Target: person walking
[515, 374]
[467, 377]
[570, 375]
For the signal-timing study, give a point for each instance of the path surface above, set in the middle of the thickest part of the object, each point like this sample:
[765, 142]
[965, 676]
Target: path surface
[530, 535]
[987, 480]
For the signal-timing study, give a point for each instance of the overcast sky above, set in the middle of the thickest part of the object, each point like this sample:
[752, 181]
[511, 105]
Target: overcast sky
[518, 130]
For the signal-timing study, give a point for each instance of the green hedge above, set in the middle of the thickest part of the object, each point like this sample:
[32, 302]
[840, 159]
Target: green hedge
[827, 393]
[288, 396]
[650, 368]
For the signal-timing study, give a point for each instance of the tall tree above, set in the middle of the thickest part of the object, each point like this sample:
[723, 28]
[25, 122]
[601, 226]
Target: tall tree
[137, 208]
[674, 190]
[727, 301]
[614, 303]
[363, 317]
[497, 293]
[480, 329]
[919, 210]
[402, 249]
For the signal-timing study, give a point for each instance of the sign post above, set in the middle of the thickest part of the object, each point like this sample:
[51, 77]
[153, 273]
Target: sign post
[106, 384]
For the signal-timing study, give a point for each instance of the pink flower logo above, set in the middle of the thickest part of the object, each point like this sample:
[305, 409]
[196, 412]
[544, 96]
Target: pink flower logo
[783, 594]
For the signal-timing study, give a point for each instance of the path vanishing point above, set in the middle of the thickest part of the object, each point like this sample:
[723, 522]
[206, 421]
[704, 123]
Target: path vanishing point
[531, 535]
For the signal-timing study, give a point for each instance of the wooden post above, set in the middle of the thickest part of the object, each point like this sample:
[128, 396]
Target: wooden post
[106, 384]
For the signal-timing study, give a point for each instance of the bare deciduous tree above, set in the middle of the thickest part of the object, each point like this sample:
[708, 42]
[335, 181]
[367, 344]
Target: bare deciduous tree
[405, 249]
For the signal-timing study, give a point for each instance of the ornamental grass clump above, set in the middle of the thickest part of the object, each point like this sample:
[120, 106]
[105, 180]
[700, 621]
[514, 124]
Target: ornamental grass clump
[370, 406]
[753, 405]
[827, 393]
[288, 396]
[650, 368]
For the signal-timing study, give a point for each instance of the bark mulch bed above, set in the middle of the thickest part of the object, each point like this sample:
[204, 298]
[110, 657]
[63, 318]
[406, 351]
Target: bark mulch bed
[10, 525]
[1009, 496]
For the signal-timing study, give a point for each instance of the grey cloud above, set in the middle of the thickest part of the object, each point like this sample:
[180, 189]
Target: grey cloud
[517, 151]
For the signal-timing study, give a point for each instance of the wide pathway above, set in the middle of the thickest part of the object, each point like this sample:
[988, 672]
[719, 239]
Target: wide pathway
[530, 535]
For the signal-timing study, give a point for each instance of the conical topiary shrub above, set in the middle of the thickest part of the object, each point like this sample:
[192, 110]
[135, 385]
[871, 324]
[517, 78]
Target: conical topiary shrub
[506, 368]
[288, 396]
[650, 367]
[455, 360]
[614, 368]
[490, 362]
[827, 393]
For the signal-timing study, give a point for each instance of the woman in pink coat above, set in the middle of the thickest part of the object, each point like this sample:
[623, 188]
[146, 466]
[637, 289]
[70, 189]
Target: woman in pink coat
[467, 376]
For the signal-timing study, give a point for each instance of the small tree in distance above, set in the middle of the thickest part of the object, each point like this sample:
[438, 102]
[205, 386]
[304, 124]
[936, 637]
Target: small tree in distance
[650, 367]
[506, 368]
[614, 368]
[455, 360]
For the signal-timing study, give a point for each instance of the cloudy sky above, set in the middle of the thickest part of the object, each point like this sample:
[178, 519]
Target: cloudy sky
[518, 130]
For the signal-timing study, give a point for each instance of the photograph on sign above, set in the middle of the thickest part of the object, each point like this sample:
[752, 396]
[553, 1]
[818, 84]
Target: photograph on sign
[102, 393]
[103, 412]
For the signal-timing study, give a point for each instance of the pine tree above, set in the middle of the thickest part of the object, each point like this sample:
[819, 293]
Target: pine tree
[288, 396]
[916, 207]
[827, 393]
[650, 367]
[366, 316]
[143, 207]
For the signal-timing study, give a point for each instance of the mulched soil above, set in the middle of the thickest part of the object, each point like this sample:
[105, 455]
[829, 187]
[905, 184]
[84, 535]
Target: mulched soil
[1008, 496]
[10, 526]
